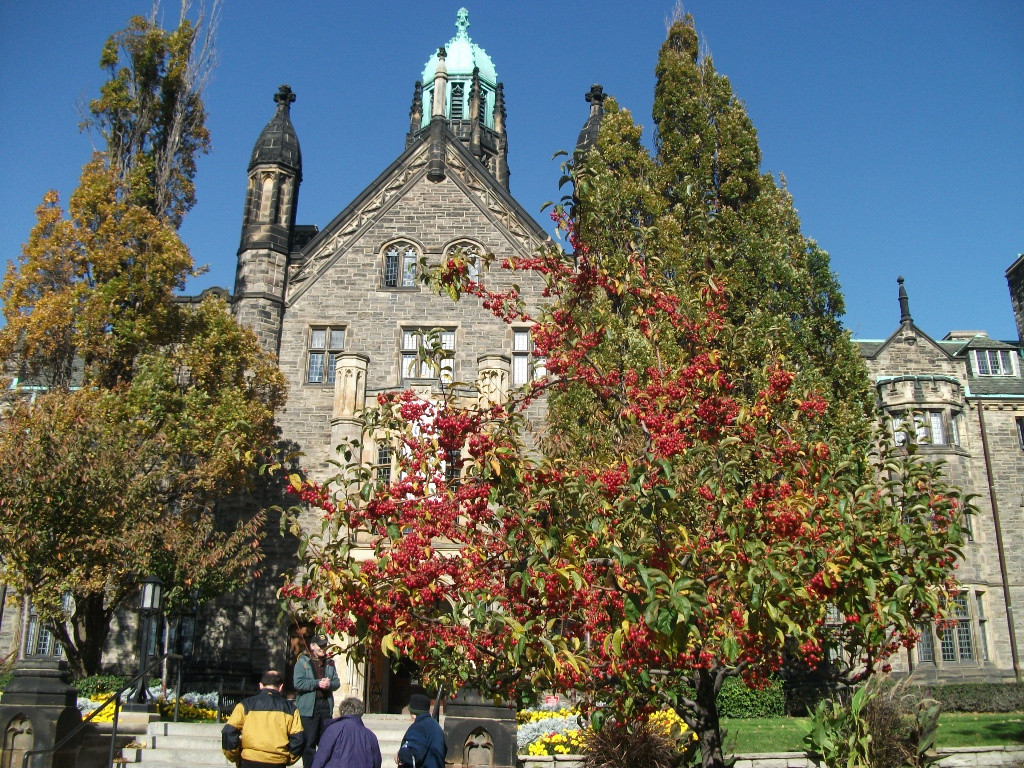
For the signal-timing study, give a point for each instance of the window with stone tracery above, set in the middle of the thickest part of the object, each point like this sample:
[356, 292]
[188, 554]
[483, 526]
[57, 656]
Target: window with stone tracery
[400, 266]
[472, 254]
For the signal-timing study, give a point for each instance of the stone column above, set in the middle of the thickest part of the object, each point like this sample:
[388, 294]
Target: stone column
[494, 372]
[349, 400]
[39, 708]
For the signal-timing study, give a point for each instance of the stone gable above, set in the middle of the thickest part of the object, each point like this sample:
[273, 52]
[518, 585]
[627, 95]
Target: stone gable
[346, 291]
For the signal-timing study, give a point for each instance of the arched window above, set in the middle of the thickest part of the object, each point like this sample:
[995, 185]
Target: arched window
[400, 264]
[266, 198]
[471, 251]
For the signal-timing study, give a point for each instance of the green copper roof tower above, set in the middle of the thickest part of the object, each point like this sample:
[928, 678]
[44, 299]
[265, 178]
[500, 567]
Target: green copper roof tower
[473, 100]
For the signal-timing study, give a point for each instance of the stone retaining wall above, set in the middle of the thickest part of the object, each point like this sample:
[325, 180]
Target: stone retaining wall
[965, 757]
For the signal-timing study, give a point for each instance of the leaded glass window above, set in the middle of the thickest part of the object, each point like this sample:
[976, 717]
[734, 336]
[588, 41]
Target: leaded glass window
[325, 344]
[993, 362]
[957, 643]
[526, 366]
[400, 266]
[383, 466]
[926, 645]
[471, 252]
[428, 354]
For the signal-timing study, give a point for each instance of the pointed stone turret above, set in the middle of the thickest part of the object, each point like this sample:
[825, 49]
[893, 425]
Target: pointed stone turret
[475, 113]
[439, 94]
[436, 135]
[588, 134]
[501, 172]
[415, 111]
[905, 317]
[268, 224]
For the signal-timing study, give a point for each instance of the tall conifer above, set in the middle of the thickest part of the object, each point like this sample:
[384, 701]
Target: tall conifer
[701, 209]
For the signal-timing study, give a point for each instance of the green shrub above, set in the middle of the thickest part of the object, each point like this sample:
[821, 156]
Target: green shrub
[5, 680]
[97, 684]
[882, 725]
[978, 697]
[737, 700]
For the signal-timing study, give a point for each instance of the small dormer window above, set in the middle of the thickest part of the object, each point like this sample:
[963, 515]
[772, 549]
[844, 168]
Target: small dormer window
[993, 362]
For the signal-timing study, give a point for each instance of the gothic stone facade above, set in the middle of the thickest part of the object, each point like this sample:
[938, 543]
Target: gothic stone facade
[344, 309]
[961, 399]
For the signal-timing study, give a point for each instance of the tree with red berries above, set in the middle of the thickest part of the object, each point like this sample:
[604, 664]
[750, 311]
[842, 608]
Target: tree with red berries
[707, 499]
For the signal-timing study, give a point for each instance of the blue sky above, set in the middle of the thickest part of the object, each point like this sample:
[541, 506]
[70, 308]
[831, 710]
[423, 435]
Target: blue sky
[898, 126]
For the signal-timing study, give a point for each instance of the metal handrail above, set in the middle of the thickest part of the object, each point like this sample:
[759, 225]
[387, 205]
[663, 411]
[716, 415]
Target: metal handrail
[116, 698]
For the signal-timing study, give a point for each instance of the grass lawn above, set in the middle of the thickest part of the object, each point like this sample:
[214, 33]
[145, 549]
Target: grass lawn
[956, 729]
[968, 729]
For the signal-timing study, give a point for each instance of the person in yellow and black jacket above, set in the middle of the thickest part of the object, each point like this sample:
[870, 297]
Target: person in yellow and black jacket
[265, 729]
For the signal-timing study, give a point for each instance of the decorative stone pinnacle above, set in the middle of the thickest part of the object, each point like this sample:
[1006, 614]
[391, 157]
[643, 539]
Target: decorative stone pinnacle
[417, 99]
[442, 53]
[462, 23]
[284, 97]
[904, 303]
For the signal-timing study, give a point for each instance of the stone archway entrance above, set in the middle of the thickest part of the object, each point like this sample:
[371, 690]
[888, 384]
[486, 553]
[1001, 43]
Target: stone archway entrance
[389, 686]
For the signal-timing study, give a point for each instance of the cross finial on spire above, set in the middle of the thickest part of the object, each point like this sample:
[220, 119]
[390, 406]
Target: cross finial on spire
[595, 95]
[904, 304]
[462, 22]
[284, 97]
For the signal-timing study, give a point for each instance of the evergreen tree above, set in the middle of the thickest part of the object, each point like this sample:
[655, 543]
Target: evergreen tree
[701, 209]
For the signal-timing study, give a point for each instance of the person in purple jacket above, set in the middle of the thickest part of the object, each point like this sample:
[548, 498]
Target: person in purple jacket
[347, 743]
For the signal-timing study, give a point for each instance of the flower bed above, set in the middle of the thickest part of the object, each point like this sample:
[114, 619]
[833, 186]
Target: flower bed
[194, 707]
[556, 730]
[549, 730]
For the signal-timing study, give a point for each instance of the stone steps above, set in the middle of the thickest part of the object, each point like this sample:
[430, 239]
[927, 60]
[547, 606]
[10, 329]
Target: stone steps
[197, 745]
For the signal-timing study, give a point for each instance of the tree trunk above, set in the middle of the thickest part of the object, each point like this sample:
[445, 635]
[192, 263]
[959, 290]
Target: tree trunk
[709, 735]
[90, 626]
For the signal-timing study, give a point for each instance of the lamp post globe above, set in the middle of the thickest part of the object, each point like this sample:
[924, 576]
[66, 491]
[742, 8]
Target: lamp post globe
[152, 593]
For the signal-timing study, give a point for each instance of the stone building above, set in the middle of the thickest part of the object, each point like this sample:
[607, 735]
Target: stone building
[343, 308]
[961, 398]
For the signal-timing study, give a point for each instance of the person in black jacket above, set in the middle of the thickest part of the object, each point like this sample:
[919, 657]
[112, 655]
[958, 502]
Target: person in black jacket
[347, 743]
[423, 744]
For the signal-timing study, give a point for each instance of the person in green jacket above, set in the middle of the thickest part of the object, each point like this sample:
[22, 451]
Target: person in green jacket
[315, 679]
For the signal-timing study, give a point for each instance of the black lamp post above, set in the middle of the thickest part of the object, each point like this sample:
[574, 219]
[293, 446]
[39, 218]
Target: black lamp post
[149, 609]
